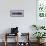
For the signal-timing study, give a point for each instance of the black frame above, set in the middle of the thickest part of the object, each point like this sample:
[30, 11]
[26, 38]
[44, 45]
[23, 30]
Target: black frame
[17, 13]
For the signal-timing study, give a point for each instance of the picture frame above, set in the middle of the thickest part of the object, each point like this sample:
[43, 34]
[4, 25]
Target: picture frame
[17, 13]
[40, 12]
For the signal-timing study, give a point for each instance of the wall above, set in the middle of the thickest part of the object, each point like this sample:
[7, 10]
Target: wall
[24, 23]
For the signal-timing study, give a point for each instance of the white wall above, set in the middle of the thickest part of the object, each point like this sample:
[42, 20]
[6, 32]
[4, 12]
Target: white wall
[24, 23]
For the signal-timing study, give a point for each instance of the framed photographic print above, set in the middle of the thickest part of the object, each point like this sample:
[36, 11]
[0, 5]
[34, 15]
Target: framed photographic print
[41, 8]
[41, 12]
[17, 13]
